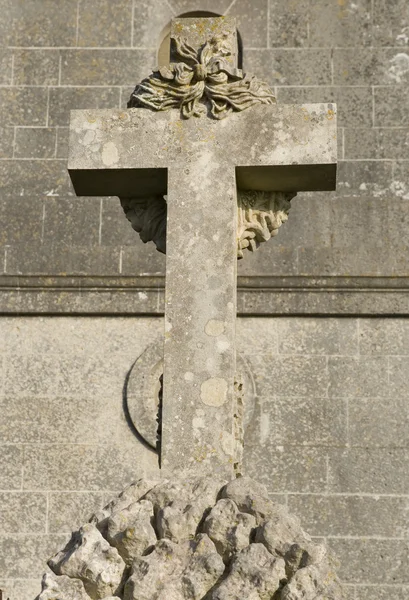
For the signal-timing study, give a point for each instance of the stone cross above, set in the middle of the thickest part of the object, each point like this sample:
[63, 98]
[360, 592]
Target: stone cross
[199, 163]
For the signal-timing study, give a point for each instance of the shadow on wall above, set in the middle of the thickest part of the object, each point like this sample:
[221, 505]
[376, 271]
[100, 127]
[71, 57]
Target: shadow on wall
[164, 46]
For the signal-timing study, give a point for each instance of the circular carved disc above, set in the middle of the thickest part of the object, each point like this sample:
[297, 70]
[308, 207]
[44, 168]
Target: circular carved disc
[143, 386]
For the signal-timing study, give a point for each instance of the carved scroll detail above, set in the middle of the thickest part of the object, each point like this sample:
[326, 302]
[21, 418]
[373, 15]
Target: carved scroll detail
[260, 214]
[203, 81]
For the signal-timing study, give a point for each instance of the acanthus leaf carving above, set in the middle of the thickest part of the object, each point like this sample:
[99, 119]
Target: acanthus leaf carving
[201, 77]
[260, 215]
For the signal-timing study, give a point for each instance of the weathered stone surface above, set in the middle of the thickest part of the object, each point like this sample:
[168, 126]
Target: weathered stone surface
[90, 558]
[184, 570]
[130, 530]
[180, 507]
[201, 544]
[62, 588]
[254, 574]
[229, 528]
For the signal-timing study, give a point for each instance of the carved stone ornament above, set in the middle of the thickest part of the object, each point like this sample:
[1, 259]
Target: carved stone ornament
[260, 215]
[202, 82]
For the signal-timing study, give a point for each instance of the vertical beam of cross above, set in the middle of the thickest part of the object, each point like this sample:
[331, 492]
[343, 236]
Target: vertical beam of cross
[200, 309]
[198, 163]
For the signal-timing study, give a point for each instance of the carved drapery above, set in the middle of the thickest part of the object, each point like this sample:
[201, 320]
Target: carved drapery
[202, 82]
[260, 215]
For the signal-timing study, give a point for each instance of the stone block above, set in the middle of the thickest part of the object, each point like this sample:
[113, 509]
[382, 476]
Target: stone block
[346, 24]
[142, 259]
[36, 67]
[62, 142]
[102, 23]
[72, 221]
[106, 67]
[317, 336]
[283, 258]
[355, 516]
[69, 510]
[22, 218]
[22, 512]
[286, 469]
[252, 23]
[35, 142]
[5, 66]
[390, 23]
[369, 212]
[217, 7]
[53, 259]
[290, 376]
[289, 66]
[117, 230]
[380, 592]
[306, 421]
[309, 223]
[6, 142]
[99, 338]
[12, 467]
[380, 143]
[41, 23]
[364, 178]
[34, 178]
[24, 556]
[256, 336]
[288, 23]
[371, 66]
[391, 106]
[359, 376]
[400, 185]
[87, 467]
[369, 471]
[64, 99]
[21, 589]
[16, 109]
[148, 23]
[88, 417]
[383, 336]
[398, 376]
[353, 103]
[376, 423]
[371, 261]
[66, 378]
[378, 561]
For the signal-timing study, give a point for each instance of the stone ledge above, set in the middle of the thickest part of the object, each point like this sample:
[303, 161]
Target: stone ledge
[329, 296]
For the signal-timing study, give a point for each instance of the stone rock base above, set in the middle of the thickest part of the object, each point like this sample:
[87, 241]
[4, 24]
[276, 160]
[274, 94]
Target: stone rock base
[192, 539]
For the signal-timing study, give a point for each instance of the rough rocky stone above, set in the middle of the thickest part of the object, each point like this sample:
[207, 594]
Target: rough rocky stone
[255, 575]
[90, 558]
[130, 530]
[62, 588]
[185, 570]
[180, 507]
[193, 539]
[229, 528]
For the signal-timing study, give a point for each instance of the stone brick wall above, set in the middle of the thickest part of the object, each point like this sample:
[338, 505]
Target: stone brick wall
[329, 433]
[90, 53]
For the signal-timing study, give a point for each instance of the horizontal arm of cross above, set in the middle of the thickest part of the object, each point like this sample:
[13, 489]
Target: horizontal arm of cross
[285, 148]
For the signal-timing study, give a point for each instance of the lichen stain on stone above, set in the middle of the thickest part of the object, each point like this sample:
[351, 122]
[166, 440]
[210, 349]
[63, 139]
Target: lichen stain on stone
[110, 154]
[227, 443]
[214, 328]
[213, 392]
